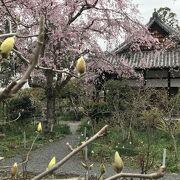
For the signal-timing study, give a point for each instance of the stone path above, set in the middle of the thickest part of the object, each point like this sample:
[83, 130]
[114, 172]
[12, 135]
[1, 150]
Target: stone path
[73, 125]
[40, 158]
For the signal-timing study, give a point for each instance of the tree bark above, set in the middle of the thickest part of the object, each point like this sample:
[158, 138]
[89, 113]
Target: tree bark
[50, 104]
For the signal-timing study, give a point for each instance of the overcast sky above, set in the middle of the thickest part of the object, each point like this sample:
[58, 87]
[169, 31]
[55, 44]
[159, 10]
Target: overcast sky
[146, 7]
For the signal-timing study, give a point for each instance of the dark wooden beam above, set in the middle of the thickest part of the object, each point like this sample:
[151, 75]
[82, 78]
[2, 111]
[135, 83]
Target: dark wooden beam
[169, 83]
[144, 76]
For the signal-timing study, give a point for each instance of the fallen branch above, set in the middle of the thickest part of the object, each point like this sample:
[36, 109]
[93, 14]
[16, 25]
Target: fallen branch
[75, 151]
[14, 86]
[155, 175]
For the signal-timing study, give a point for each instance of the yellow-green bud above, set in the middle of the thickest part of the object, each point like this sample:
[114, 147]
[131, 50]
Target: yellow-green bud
[102, 168]
[14, 169]
[81, 65]
[118, 163]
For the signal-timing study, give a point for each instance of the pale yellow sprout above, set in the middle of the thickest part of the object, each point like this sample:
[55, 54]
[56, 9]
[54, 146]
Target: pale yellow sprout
[118, 163]
[52, 162]
[39, 128]
[14, 169]
[7, 45]
[102, 169]
[81, 65]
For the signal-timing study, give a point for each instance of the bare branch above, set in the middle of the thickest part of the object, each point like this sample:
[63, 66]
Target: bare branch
[60, 71]
[28, 36]
[155, 175]
[16, 85]
[19, 54]
[13, 19]
[28, 154]
[84, 7]
[3, 3]
[17, 35]
[7, 35]
[75, 151]
[69, 146]
[57, 71]
[88, 26]
[10, 26]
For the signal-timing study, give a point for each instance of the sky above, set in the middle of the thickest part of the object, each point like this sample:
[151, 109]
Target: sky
[146, 7]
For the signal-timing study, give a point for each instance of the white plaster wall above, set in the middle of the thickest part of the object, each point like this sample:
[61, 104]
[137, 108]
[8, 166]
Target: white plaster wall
[154, 83]
[157, 83]
[175, 82]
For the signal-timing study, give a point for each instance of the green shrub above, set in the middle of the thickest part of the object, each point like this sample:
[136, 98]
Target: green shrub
[119, 95]
[98, 111]
[69, 116]
[62, 129]
[127, 149]
[151, 118]
[85, 123]
[23, 105]
[102, 151]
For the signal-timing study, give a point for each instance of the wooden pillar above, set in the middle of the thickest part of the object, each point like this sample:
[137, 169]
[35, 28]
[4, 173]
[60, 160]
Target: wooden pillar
[144, 76]
[169, 82]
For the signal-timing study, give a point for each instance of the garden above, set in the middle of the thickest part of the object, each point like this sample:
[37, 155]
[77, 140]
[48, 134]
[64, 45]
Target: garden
[65, 111]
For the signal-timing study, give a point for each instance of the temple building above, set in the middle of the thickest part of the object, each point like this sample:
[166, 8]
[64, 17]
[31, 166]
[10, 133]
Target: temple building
[160, 68]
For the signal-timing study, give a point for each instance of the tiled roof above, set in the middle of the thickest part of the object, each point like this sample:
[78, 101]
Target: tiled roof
[148, 59]
[154, 19]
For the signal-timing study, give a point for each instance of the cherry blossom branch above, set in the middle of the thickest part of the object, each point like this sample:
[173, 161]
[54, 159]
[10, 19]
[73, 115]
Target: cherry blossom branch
[14, 86]
[57, 71]
[7, 9]
[84, 7]
[155, 175]
[13, 19]
[19, 54]
[75, 151]
[60, 71]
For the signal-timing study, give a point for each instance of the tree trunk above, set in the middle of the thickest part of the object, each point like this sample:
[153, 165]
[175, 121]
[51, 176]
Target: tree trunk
[50, 106]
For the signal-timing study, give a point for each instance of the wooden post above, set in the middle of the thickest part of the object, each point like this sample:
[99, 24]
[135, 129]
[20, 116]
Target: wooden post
[85, 148]
[169, 82]
[24, 139]
[144, 76]
[164, 157]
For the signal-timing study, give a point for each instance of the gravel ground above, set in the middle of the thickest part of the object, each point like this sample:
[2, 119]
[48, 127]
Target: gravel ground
[40, 158]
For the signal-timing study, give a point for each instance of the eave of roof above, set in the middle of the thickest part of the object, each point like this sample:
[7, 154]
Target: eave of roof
[148, 59]
[154, 19]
